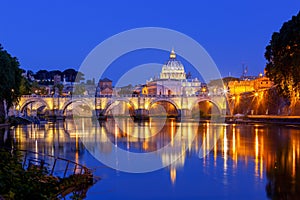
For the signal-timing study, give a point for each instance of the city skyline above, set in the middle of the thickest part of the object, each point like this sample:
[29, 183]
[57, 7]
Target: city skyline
[59, 35]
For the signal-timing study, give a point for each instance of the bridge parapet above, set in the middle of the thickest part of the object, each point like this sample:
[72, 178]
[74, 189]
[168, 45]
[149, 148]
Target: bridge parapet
[140, 103]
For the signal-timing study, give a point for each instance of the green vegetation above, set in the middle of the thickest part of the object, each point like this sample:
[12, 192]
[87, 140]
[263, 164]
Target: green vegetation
[126, 90]
[45, 77]
[11, 78]
[25, 86]
[35, 183]
[79, 89]
[16, 183]
[283, 56]
[59, 87]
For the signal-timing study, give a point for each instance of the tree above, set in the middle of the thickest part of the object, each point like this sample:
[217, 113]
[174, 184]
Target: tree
[41, 75]
[10, 80]
[59, 87]
[126, 90]
[30, 75]
[79, 89]
[283, 56]
[70, 75]
[25, 87]
[79, 77]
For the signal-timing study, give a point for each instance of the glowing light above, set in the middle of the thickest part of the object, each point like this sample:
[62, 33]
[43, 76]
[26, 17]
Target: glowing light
[173, 174]
[234, 145]
[215, 150]
[172, 133]
[204, 147]
[256, 94]
[256, 151]
[145, 145]
[294, 160]
[261, 157]
[36, 149]
[225, 149]
[116, 134]
[261, 167]
[207, 140]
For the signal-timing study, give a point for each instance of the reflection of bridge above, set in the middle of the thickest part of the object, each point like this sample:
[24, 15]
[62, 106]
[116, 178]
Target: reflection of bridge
[138, 106]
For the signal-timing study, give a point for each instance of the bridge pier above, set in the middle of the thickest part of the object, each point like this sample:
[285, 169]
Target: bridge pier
[55, 114]
[100, 114]
[141, 114]
[185, 113]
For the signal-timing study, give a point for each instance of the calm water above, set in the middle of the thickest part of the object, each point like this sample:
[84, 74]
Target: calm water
[212, 161]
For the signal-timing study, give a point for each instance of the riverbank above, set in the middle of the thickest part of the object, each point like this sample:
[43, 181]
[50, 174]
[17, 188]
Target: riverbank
[5, 125]
[27, 177]
[268, 119]
[13, 121]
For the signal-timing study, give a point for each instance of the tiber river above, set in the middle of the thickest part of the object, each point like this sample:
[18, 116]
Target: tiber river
[211, 161]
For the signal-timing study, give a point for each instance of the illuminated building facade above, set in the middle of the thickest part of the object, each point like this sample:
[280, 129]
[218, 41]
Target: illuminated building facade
[249, 85]
[172, 80]
[104, 87]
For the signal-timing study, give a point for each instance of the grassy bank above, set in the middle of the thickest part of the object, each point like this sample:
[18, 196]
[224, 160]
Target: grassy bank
[34, 182]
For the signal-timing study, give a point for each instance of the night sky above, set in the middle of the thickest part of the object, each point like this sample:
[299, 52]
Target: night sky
[59, 34]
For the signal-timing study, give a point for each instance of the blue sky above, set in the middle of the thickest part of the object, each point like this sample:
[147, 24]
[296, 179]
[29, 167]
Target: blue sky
[59, 34]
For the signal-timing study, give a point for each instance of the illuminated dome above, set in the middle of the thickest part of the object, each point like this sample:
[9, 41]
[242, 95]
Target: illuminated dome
[173, 69]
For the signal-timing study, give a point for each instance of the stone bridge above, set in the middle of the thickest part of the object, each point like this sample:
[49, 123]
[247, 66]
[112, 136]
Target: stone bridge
[104, 105]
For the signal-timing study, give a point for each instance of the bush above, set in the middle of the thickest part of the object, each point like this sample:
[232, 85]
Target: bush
[35, 182]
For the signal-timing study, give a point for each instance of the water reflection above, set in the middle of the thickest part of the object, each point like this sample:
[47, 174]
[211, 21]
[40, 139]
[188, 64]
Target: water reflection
[273, 152]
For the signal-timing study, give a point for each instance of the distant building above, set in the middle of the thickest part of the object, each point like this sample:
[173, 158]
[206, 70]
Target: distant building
[249, 85]
[140, 89]
[104, 87]
[172, 80]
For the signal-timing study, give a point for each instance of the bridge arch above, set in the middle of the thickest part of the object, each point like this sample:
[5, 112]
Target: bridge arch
[116, 102]
[210, 103]
[173, 111]
[33, 100]
[72, 101]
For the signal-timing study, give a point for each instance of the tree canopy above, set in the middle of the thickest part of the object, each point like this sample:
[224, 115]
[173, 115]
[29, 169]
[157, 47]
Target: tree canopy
[45, 77]
[283, 59]
[11, 76]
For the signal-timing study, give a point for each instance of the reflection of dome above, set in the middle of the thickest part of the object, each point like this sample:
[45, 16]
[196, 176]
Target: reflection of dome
[173, 69]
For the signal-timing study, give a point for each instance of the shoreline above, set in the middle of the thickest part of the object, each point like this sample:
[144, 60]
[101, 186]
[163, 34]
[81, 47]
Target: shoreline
[267, 119]
[247, 119]
[5, 125]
